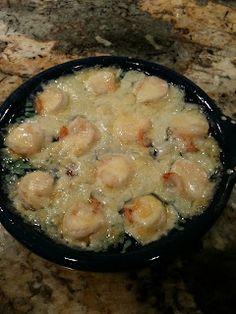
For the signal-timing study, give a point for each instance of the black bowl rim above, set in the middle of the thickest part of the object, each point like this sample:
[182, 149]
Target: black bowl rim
[106, 261]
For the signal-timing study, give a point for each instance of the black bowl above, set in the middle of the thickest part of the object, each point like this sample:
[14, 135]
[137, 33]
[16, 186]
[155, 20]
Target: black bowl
[222, 128]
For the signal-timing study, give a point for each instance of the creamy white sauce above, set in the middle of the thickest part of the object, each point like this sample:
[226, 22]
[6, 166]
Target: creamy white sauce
[102, 110]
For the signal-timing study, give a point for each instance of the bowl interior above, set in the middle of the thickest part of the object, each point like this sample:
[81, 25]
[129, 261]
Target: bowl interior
[112, 259]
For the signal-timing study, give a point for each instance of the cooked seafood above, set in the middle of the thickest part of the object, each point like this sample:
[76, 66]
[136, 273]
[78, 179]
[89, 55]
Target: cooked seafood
[51, 100]
[26, 139]
[112, 155]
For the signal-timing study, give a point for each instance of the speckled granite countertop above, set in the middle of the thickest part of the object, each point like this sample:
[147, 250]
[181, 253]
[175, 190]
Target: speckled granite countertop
[196, 38]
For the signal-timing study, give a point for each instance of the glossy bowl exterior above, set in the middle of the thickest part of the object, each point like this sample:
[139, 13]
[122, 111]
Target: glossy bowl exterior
[221, 127]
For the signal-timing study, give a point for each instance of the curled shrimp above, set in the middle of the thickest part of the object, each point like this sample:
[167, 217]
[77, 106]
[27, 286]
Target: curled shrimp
[79, 136]
[51, 100]
[26, 139]
[81, 222]
[132, 128]
[144, 217]
[189, 126]
[150, 89]
[101, 82]
[35, 189]
[187, 179]
[114, 171]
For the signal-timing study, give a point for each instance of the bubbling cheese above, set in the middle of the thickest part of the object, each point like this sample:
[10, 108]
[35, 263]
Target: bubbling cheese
[128, 155]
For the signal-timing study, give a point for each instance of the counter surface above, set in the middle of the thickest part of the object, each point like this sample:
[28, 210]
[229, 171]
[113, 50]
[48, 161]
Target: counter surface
[196, 38]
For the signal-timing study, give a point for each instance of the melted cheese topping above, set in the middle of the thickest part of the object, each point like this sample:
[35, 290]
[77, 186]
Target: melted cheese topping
[116, 143]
